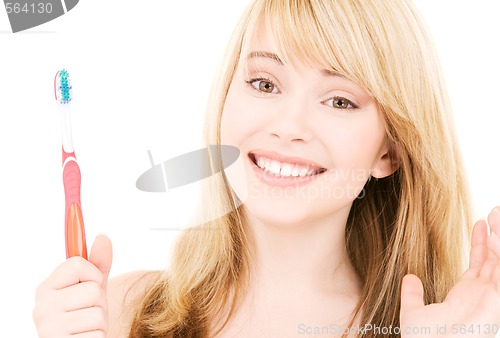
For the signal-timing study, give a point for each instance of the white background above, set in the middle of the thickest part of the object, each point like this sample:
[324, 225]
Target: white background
[141, 73]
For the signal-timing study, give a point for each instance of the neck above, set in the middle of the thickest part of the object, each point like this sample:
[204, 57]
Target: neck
[307, 257]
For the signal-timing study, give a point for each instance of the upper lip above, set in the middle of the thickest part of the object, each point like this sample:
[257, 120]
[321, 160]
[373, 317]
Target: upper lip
[285, 159]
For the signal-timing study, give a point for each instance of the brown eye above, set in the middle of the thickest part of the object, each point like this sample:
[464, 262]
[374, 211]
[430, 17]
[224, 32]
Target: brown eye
[263, 85]
[340, 103]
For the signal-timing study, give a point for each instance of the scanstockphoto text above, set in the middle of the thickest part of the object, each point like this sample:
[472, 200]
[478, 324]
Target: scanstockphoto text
[454, 329]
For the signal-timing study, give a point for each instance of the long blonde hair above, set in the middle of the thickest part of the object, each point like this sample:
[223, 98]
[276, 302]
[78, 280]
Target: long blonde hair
[415, 221]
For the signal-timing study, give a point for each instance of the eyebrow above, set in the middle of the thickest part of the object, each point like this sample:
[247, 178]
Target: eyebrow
[269, 55]
[276, 58]
[333, 73]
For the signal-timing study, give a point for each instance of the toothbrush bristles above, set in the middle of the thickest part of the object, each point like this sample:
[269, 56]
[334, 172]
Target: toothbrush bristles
[63, 87]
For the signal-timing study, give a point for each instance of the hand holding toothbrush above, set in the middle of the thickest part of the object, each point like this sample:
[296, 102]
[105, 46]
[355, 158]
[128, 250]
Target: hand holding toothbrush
[73, 300]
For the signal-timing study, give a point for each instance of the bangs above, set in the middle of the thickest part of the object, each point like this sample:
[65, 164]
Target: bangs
[380, 45]
[313, 34]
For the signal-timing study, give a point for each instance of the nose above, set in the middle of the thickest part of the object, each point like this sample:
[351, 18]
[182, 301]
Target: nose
[290, 121]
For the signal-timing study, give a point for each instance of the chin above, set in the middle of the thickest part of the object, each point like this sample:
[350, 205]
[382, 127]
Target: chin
[282, 213]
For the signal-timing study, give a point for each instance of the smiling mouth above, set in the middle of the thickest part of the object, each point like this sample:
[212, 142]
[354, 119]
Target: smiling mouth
[284, 169]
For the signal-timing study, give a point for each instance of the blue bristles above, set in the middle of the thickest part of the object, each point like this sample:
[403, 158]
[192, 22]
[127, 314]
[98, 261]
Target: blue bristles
[64, 90]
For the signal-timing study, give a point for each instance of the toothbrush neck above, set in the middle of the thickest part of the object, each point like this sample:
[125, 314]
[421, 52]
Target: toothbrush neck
[67, 141]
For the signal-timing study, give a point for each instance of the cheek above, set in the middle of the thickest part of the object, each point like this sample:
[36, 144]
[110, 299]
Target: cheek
[234, 130]
[355, 144]
[353, 149]
[234, 118]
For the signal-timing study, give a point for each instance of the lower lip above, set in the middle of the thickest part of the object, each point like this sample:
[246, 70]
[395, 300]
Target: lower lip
[279, 181]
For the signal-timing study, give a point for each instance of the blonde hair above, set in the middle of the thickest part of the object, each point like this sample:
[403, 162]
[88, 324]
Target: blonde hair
[415, 221]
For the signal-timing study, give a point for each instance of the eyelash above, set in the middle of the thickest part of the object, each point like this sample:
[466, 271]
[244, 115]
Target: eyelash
[251, 81]
[349, 103]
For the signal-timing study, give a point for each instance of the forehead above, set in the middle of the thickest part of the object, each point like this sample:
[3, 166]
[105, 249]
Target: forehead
[292, 43]
[261, 42]
[263, 48]
[312, 37]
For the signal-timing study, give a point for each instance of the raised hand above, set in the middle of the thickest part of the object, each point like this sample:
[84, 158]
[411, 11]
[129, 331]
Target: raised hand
[472, 306]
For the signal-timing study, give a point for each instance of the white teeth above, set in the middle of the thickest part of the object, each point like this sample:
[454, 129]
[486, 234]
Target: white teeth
[283, 169]
[286, 169]
[260, 162]
[275, 168]
[302, 172]
[267, 165]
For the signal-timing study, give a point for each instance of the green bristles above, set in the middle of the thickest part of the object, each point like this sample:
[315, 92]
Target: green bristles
[64, 89]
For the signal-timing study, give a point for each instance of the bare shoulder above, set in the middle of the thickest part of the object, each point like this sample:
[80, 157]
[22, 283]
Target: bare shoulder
[122, 290]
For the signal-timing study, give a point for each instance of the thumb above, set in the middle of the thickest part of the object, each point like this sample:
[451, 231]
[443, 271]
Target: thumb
[412, 293]
[101, 255]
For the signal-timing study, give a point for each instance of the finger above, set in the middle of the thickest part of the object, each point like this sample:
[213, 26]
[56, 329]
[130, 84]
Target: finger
[494, 244]
[492, 268]
[488, 268]
[494, 220]
[479, 249]
[495, 274]
[72, 271]
[79, 296]
[412, 294]
[83, 320]
[101, 255]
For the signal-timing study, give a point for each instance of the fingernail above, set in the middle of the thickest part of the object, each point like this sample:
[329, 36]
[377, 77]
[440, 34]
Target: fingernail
[493, 233]
[495, 210]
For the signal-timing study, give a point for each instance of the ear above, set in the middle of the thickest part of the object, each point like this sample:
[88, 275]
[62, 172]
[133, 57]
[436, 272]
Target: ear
[388, 162]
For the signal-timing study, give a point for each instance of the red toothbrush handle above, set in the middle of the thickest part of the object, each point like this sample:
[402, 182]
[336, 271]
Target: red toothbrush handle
[74, 227]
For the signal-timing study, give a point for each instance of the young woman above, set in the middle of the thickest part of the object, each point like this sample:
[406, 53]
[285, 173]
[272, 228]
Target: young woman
[355, 214]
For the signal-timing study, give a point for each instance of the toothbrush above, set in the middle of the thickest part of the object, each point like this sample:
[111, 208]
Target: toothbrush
[74, 229]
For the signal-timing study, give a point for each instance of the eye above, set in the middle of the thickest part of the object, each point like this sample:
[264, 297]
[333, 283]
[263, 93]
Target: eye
[263, 85]
[340, 103]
